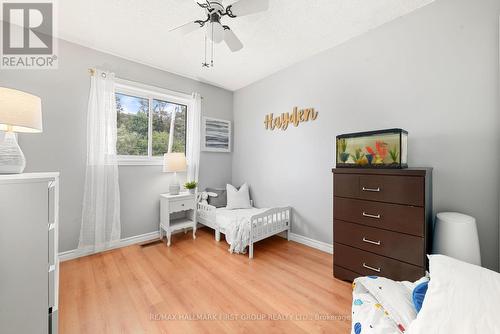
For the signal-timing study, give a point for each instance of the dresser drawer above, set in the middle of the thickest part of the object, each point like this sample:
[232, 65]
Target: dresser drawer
[346, 185]
[181, 205]
[408, 190]
[393, 189]
[395, 245]
[366, 263]
[52, 286]
[394, 217]
[344, 274]
[52, 245]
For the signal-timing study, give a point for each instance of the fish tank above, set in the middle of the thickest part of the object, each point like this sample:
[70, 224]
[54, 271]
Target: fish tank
[373, 149]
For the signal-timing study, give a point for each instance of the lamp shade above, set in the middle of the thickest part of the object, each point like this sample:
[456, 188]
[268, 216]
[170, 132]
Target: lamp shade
[20, 111]
[174, 162]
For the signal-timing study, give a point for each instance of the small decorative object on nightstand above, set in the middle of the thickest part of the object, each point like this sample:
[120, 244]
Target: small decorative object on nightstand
[173, 163]
[177, 212]
[191, 186]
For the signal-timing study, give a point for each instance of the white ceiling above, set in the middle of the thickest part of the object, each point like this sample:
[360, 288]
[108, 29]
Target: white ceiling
[290, 31]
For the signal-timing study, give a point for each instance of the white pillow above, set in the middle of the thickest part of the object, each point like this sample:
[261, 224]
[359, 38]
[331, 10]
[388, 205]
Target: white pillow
[238, 199]
[461, 298]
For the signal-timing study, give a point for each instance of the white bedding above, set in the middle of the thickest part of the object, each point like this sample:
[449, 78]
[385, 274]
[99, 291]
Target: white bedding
[235, 224]
[461, 298]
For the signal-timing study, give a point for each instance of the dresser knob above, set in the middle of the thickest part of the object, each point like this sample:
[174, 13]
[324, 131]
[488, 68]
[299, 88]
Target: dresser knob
[375, 190]
[371, 216]
[371, 268]
[368, 241]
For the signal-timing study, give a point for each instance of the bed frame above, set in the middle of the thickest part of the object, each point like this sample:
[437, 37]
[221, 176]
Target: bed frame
[262, 226]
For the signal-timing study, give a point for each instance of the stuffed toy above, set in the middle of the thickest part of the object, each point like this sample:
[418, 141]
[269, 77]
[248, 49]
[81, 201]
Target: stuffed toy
[203, 197]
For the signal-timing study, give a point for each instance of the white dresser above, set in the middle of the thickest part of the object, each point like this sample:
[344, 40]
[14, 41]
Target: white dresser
[29, 266]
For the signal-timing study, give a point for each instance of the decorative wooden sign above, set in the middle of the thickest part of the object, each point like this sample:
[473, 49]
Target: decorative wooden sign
[295, 117]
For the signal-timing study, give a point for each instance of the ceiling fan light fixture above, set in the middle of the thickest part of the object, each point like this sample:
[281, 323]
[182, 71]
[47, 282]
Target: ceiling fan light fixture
[215, 32]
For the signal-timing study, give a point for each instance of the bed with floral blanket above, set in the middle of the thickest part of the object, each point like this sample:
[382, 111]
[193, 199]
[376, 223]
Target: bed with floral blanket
[382, 306]
[458, 298]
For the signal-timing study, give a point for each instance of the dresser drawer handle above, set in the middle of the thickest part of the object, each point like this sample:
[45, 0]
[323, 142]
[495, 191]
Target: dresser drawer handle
[371, 268]
[371, 216]
[368, 241]
[374, 190]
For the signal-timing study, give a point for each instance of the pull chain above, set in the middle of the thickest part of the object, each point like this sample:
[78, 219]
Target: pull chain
[205, 64]
[212, 58]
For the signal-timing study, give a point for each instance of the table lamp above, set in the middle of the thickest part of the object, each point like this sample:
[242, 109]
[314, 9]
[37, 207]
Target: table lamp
[19, 112]
[173, 163]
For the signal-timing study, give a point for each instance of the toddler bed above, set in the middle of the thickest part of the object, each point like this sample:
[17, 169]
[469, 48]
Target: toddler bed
[244, 227]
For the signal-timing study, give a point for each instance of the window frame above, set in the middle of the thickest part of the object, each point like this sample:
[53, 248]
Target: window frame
[150, 93]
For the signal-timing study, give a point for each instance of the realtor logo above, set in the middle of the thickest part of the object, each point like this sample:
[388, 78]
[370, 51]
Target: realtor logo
[28, 35]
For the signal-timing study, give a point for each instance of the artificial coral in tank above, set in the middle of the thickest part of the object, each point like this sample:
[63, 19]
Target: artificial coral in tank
[382, 151]
[344, 156]
[359, 157]
[371, 154]
[394, 154]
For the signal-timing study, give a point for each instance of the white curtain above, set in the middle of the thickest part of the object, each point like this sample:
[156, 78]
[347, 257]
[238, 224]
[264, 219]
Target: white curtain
[193, 138]
[101, 201]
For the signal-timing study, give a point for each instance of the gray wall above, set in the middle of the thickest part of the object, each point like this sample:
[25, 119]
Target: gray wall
[62, 145]
[433, 72]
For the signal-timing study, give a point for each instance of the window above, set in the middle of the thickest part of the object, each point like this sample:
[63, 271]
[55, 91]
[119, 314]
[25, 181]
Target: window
[132, 123]
[149, 122]
[167, 118]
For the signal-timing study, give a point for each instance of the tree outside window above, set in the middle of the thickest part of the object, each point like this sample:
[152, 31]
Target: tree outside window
[148, 126]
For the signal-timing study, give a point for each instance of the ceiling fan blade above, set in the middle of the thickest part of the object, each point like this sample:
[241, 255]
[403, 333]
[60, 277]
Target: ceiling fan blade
[232, 41]
[202, 3]
[247, 7]
[188, 27]
[215, 32]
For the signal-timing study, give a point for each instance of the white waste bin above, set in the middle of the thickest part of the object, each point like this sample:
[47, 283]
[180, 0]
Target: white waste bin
[455, 235]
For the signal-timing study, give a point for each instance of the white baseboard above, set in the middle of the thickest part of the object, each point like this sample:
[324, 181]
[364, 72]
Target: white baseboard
[320, 245]
[76, 253]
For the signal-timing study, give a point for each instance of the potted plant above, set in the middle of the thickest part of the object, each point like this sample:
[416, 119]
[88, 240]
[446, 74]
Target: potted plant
[191, 186]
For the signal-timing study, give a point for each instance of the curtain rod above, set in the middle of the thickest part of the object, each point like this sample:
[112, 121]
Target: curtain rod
[93, 70]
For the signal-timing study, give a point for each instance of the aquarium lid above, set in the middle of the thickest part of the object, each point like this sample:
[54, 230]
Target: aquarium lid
[372, 133]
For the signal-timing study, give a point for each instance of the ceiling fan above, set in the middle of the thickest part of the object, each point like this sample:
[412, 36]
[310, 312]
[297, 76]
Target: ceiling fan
[216, 32]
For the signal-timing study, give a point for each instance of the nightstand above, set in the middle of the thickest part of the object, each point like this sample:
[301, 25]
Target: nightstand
[177, 212]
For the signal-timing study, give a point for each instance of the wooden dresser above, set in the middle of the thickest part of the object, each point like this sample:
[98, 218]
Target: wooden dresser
[382, 222]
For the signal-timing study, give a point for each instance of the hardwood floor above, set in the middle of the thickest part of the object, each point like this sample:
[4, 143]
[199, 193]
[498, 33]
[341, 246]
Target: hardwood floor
[196, 286]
